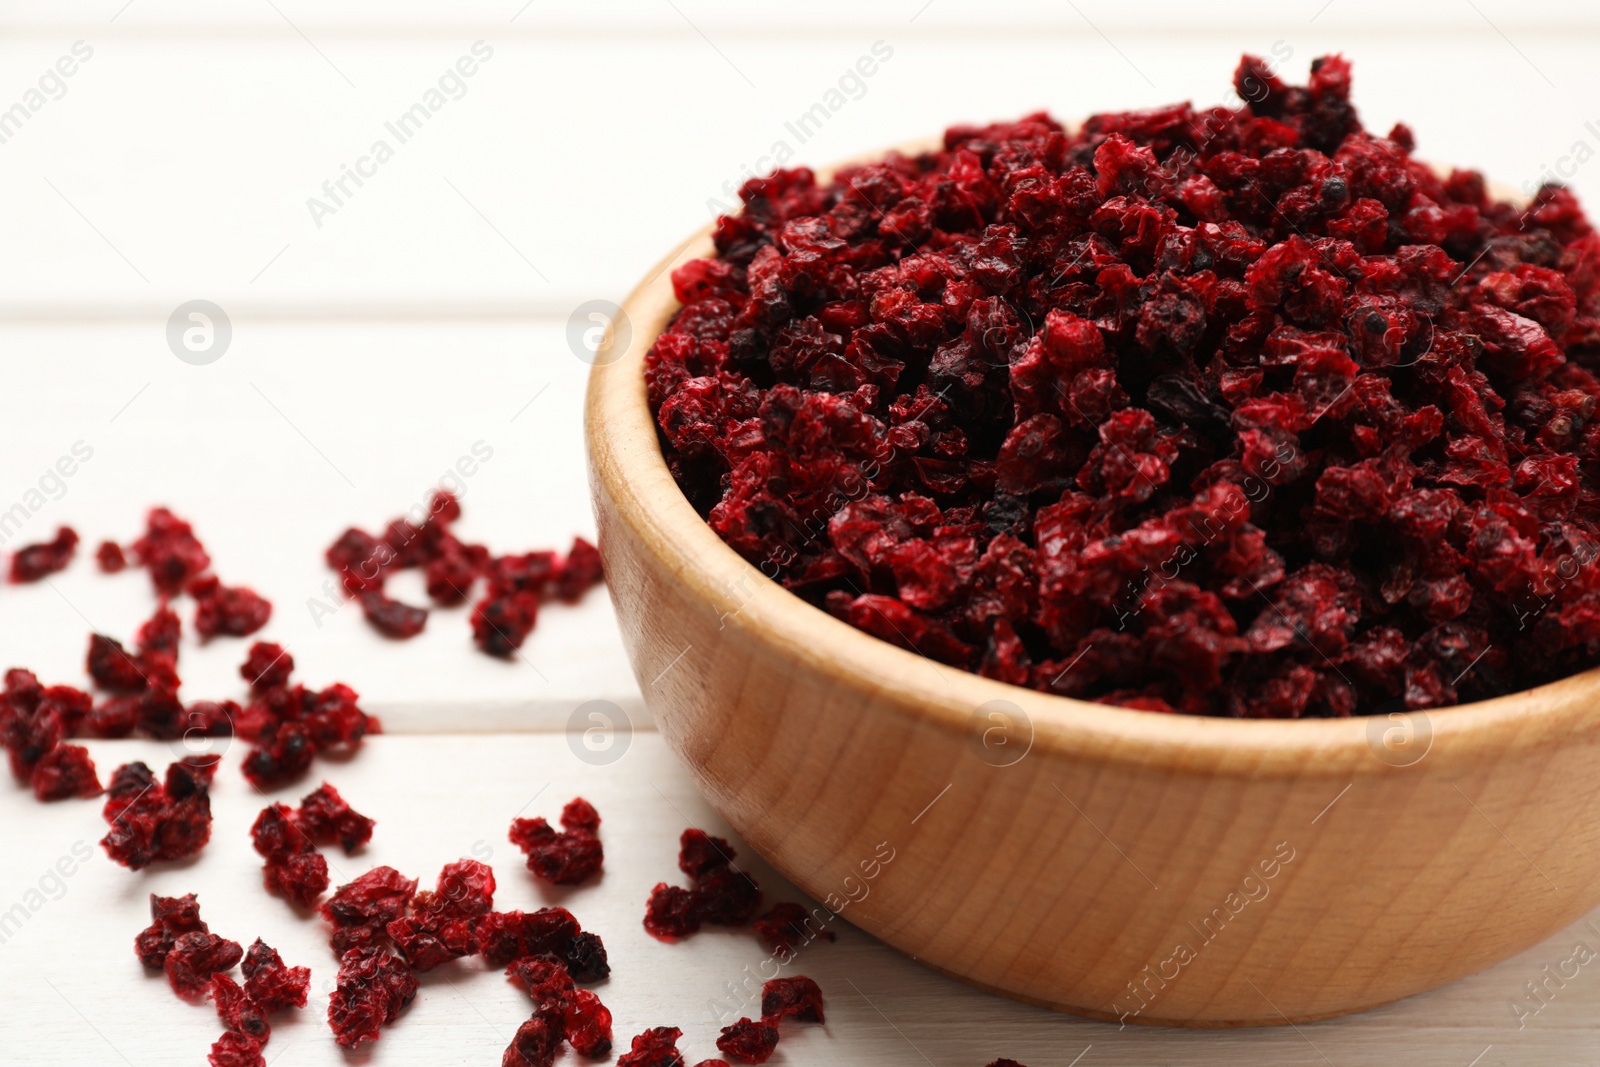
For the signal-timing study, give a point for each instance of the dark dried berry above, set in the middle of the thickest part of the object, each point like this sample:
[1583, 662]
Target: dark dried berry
[33, 562]
[586, 958]
[787, 927]
[170, 551]
[748, 1041]
[535, 1043]
[699, 853]
[234, 1049]
[325, 816]
[391, 617]
[503, 621]
[796, 998]
[562, 858]
[656, 1047]
[170, 918]
[672, 912]
[267, 666]
[504, 936]
[151, 821]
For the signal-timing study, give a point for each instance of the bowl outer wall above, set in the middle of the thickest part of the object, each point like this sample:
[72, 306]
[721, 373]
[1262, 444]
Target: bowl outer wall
[1118, 868]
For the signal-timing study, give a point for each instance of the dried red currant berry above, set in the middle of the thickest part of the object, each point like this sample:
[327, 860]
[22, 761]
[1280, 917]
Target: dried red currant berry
[392, 618]
[65, 771]
[110, 557]
[588, 1025]
[372, 989]
[672, 912]
[282, 759]
[441, 924]
[235, 1008]
[1005, 1063]
[234, 1049]
[699, 853]
[111, 667]
[535, 1044]
[586, 958]
[728, 897]
[160, 632]
[195, 957]
[361, 911]
[562, 858]
[360, 559]
[580, 571]
[504, 936]
[272, 986]
[787, 927]
[170, 552]
[449, 577]
[267, 666]
[656, 1047]
[712, 1063]
[748, 1041]
[149, 823]
[233, 611]
[33, 562]
[546, 981]
[301, 877]
[501, 623]
[796, 998]
[170, 917]
[325, 816]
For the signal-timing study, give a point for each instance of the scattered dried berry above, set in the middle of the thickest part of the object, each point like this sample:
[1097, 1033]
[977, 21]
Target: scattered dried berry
[787, 927]
[65, 771]
[748, 1041]
[796, 998]
[234, 1049]
[33, 562]
[325, 816]
[273, 987]
[170, 918]
[288, 725]
[234, 611]
[1231, 412]
[535, 1043]
[294, 868]
[361, 911]
[504, 936]
[372, 989]
[151, 821]
[195, 957]
[586, 958]
[566, 858]
[267, 667]
[588, 1025]
[656, 1047]
[169, 550]
[110, 557]
[236, 1010]
[722, 893]
[441, 925]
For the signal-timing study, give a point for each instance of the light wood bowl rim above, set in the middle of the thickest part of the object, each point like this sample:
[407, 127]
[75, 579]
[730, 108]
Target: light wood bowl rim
[625, 454]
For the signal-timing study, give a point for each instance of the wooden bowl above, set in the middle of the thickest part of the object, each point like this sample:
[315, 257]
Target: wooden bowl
[1111, 863]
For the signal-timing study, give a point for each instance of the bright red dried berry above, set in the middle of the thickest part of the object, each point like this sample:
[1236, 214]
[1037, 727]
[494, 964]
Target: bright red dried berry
[294, 868]
[282, 759]
[748, 1041]
[504, 936]
[587, 1023]
[33, 562]
[234, 1049]
[65, 771]
[110, 557]
[361, 911]
[441, 924]
[171, 553]
[267, 666]
[235, 1008]
[656, 1047]
[151, 821]
[233, 611]
[797, 998]
[372, 989]
[271, 985]
[195, 957]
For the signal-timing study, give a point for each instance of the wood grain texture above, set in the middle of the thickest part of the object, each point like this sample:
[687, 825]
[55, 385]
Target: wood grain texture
[1154, 869]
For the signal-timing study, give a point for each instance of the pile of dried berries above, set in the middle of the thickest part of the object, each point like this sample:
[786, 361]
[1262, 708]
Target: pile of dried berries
[565, 858]
[288, 724]
[517, 584]
[561, 1012]
[1232, 412]
[35, 720]
[196, 963]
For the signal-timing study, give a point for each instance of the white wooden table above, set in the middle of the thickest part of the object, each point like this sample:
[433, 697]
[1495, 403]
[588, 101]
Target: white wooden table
[428, 314]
